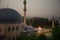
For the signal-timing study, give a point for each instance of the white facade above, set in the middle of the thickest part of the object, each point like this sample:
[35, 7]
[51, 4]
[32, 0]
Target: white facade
[11, 31]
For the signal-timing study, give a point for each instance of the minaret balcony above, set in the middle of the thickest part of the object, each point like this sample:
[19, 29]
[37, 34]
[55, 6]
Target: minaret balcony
[24, 9]
[24, 2]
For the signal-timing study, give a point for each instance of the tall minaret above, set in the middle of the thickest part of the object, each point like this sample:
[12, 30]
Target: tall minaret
[52, 22]
[24, 12]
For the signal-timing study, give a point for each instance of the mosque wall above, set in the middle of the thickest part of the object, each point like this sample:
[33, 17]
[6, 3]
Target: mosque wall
[2, 29]
[12, 31]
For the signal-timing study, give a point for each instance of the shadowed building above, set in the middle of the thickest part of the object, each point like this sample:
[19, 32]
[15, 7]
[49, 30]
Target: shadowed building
[10, 24]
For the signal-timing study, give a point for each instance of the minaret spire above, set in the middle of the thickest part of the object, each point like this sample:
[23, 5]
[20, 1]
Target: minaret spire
[24, 12]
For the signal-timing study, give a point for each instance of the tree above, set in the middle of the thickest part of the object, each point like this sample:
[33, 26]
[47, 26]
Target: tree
[28, 21]
[37, 21]
[32, 37]
[56, 33]
[42, 37]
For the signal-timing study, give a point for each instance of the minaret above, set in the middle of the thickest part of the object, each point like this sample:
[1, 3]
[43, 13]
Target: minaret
[24, 12]
[53, 23]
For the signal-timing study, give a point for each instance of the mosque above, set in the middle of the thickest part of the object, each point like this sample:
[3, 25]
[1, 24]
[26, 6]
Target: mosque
[10, 24]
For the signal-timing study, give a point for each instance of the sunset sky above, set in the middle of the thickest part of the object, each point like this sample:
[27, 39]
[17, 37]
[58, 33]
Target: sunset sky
[35, 8]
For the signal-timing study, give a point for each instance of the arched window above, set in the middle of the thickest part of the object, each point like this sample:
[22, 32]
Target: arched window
[0, 29]
[13, 28]
[16, 27]
[9, 28]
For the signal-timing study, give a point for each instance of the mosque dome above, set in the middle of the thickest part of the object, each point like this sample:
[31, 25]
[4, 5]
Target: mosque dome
[9, 15]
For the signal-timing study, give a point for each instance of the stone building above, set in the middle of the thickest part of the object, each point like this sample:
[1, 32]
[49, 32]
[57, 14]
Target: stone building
[10, 24]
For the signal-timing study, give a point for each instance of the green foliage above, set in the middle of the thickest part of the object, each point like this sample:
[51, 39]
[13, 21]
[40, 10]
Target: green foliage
[28, 21]
[23, 37]
[47, 24]
[56, 33]
[32, 37]
[37, 21]
[26, 37]
[42, 37]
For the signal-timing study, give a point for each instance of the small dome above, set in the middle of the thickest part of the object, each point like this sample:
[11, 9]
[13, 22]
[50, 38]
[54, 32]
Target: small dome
[29, 29]
[9, 15]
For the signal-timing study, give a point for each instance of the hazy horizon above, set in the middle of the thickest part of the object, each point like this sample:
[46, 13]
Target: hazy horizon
[35, 8]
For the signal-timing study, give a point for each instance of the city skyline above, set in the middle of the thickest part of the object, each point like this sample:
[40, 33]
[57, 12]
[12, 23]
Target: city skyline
[35, 8]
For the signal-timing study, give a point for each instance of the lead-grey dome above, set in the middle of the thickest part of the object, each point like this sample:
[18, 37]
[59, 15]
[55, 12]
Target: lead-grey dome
[9, 15]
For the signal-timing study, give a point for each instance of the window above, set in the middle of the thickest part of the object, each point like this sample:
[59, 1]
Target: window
[13, 28]
[0, 29]
[9, 29]
[17, 28]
